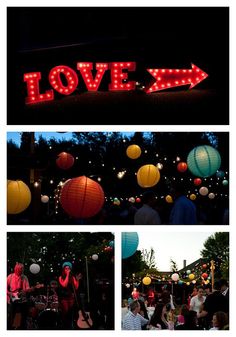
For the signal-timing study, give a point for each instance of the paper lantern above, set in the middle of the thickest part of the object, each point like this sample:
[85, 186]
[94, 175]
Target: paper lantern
[65, 161]
[130, 242]
[188, 272]
[180, 282]
[138, 200]
[205, 275]
[188, 283]
[133, 151]
[44, 199]
[18, 196]
[203, 191]
[182, 166]
[34, 268]
[220, 174]
[211, 195]
[127, 285]
[192, 196]
[147, 280]
[203, 161]
[169, 199]
[111, 244]
[94, 257]
[225, 182]
[132, 200]
[175, 277]
[148, 176]
[116, 202]
[197, 181]
[191, 276]
[204, 266]
[82, 197]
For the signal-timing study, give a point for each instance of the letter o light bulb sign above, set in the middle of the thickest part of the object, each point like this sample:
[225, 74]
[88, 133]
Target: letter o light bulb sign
[64, 79]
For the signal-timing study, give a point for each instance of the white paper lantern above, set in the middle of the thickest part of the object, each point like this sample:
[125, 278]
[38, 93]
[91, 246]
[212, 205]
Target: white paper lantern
[34, 268]
[44, 199]
[95, 257]
[175, 277]
[211, 195]
[203, 190]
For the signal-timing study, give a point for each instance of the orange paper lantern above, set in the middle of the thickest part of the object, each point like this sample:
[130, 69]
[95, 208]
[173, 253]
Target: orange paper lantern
[133, 151]
[82, 197]
[182, 166]
[65, 161]
[148, 176]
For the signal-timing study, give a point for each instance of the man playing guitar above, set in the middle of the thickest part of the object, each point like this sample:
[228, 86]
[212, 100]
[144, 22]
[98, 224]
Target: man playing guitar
[17, 283]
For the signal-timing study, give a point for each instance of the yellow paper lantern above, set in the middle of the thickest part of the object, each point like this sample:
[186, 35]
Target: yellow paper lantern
[193, 196]
[133, 151]
[188, 284]
[147, 280]
[18, 196]
[169, 199]
[191, 276]
[148, 176]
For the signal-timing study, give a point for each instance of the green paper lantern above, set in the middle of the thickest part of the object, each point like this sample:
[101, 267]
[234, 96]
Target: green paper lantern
[203, 161]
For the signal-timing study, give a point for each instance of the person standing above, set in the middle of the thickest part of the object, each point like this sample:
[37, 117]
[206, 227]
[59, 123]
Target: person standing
[68, 284]
[17, 285]
[133, 320]
[147, 215]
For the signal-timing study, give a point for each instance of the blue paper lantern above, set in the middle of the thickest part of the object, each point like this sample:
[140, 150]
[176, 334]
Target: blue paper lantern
[220, 174]
[203, 161]
[129, 244]
[111, 244]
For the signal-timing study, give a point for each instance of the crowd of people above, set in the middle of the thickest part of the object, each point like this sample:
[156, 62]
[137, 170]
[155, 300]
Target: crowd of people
[204, 310]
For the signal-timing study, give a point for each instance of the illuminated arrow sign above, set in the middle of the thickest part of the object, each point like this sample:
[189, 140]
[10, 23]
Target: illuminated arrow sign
[169, 78]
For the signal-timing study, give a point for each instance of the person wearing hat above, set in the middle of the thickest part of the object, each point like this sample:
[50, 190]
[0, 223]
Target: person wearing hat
[68, 284]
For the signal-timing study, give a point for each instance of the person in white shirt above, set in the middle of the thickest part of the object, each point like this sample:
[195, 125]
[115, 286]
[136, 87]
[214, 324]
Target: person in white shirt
[147, 215]
[133, 320]
[197, 301]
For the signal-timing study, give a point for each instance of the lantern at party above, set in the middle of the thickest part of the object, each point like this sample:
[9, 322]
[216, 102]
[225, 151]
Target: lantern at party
[204, 275]
[203, 161]
[192, 196]
[148, 176]
[34, 268]
[138, 200]
[44, 199]
[130, 242]
[204, 266]
[197, 181]
[220, 174]
[18, 196]
[182, 166]
[82, 197]
[111, 244]
[203, 191]
[65, 161]
[94, 257]
[132, 200]
[188, 272]
[133, 151]
[169, 199]
[211, 195]
[191, 276]
[175, 277]
[147, 280]
[225, 182]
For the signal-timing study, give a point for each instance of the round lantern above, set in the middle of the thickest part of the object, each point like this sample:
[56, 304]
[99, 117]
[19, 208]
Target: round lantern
[188, 272]
[130, 242]
[188, 283]
[44, 199]
[94, 257]
[65, 161]
[197, 181]
[147, 280]
[192, 196]
[34, 268]
[132, 200]
[116, 202]
[203, 161]
[169, 199]
[225, 182]
[148, 176]
[138, 200]
[204, 266]
[133, 151]
[191, 276]
[127, 285]
[220, 174]
[111, 244]
[18, 196]
[175, 277]
[182, 166]
[82, 197]
[211, 195]
[203, 191]
[205, 275]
